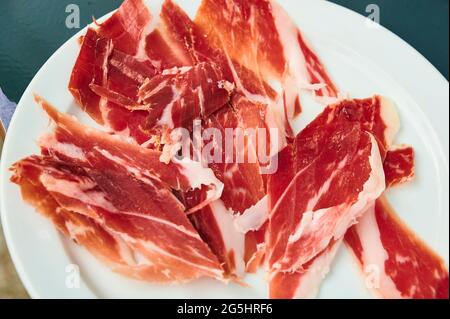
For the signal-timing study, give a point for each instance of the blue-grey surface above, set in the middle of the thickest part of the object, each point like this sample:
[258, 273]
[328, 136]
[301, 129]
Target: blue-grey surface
[6, 109]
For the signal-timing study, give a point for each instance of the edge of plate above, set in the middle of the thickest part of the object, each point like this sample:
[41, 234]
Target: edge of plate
[3, 170]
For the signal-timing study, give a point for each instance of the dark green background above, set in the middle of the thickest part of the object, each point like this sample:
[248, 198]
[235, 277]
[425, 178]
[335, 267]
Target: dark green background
[31, 30]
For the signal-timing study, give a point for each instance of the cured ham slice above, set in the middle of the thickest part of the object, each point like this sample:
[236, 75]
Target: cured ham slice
[305, 216]
[128, 27]
[245, 185]
[75, 142]
[236, 162]
[395, 262]
[178, 96]
[304, 284]
[94, 80]
[131, 237]
[375, 115]
[260, 36]
[125, 190]
[399, 165]
[215, 224]
[124, 71]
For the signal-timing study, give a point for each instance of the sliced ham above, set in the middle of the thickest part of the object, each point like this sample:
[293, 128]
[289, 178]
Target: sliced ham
[304, 284]
[399, 165]
[177, 96]
[376, 115]
[307, 216]
[119, 219]
[260, 36]
[80, 144]
[127, 191]
[240, 66]
[124, 76]
[395, 262]
[100, 86]
[238, 166]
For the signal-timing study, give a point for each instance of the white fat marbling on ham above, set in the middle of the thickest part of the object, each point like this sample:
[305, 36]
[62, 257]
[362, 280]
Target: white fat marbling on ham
[372, 190]
[198, 176]
[154, 8]
[82, 193]
[166, 119]
[240, 87]
[49, 141]
[297, 76]
[155, 248]
[233, 239]
[312, 279]
[140, 174]
[177, 70]
[77, 190]
[253, 218]
[340, 218]
[390, 118]
[77, 230]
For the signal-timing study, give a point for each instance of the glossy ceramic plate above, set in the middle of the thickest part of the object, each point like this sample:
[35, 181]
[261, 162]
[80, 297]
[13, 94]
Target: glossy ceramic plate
[362, 59]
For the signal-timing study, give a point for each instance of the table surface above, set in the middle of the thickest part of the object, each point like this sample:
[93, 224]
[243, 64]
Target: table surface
[30, 31]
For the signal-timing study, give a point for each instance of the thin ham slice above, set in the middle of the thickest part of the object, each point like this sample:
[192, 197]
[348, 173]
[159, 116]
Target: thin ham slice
[125, 190]
[103, 79]
[304, 284]
[124, 71]
[244, 184]
[178, 96]
[305, 216]
[260, 36]
[399, 165]
[131, 239]
[375, 115]
[395, 262]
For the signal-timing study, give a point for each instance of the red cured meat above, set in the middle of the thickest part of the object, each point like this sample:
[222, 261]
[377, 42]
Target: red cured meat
[82, 75]
[399, 166]
[398, 263]
[128, 27]
[131, 238]
[260, 36]
[94, 80]
[117, 58]
[238, 166]
[127, 191]
[82, 145]
[100, 243]
[304, 215]
[303, 284]
[375, 115]
[244, 184]
[178, 96]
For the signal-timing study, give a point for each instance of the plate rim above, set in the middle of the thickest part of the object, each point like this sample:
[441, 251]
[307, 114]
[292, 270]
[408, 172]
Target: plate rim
[15, 255]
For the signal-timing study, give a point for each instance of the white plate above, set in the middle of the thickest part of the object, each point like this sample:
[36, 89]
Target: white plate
[362, 60]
